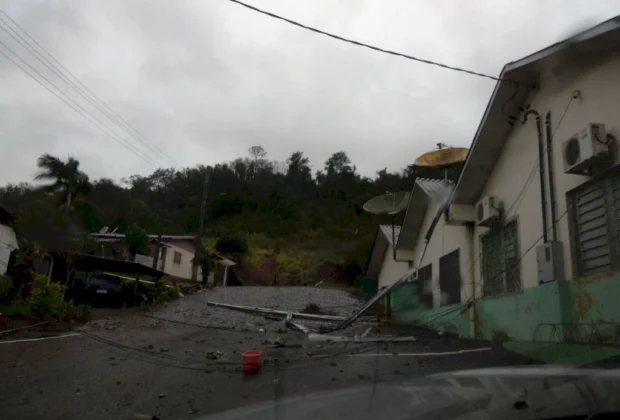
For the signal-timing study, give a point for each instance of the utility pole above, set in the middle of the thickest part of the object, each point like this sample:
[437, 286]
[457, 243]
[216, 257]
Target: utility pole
[157, 248]
[201, 223]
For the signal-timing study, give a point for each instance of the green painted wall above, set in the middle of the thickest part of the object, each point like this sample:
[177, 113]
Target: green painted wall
[516, 316]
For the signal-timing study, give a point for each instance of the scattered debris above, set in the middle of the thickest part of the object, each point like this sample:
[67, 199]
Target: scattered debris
[313, 308]
[340, 338]
[365, 333]
[215, 355]
[267, 311]
[298, 327]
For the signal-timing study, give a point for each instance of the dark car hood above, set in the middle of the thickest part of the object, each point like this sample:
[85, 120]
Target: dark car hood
[519, 392]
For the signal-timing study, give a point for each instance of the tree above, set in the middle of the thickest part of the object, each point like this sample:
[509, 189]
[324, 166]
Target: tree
[136, 240]
[298, 169]
[257, 152]
[68, 180]
[232, 245]
[338, 163]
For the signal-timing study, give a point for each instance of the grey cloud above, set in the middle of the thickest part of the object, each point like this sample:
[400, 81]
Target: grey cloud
[206, 80]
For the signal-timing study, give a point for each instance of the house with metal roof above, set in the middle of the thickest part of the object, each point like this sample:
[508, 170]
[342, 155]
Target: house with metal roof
[175, 258]
[382, 265]
[530, 229]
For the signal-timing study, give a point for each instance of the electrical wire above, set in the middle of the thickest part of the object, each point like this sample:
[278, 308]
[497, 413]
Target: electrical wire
[361, 44]
[521, 195]
[92, 98]
[75, 106]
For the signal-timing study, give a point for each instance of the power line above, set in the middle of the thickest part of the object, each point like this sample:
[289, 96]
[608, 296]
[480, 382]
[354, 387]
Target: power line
[361, 44]
[75, 106]
[93, 99]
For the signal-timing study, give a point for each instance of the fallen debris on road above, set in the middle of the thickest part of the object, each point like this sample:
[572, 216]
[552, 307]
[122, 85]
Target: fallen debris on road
[282, 314]
[379, 339]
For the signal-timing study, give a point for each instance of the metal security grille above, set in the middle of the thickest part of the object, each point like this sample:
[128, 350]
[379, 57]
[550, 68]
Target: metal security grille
[595, 218]
[500, 262]
[510, 248]
[450, 278]
[425, 285]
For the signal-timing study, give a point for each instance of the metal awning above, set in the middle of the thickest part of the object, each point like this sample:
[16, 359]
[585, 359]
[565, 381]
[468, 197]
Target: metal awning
[91, 263]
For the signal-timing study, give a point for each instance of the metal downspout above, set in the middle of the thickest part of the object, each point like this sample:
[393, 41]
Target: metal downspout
[541, 171]
[550, 174]
[471, 230]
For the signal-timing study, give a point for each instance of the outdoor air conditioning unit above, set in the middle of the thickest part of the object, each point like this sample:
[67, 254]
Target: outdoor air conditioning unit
[587, 150]
[487, 211]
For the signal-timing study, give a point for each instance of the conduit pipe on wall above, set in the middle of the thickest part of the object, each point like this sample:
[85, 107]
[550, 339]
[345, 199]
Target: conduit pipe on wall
[550, 174]
[471, 230]
[541, 170]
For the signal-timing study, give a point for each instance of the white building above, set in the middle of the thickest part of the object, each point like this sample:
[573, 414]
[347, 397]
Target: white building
[8, 239]
[500, 265]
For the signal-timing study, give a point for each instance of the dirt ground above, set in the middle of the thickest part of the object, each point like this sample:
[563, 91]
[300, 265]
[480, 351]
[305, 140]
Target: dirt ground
[183, 360]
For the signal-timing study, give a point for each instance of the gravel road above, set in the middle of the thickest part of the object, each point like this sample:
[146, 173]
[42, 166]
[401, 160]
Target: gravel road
[143, 363]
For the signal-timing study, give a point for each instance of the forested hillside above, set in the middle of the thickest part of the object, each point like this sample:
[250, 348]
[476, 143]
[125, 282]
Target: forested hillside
[294, 221]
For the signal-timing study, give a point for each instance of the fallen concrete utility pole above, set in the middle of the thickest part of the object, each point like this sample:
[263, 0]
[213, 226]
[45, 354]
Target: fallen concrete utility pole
[340, 338]
[409, 276]
[283, 314]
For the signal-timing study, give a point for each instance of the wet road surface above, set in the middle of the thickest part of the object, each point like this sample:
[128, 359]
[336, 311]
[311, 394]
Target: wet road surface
[142, 363]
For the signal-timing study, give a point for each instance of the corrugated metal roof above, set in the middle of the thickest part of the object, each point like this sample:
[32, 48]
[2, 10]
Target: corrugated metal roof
[436, 189]
[426, 194]
[121, 236]
[387, 231]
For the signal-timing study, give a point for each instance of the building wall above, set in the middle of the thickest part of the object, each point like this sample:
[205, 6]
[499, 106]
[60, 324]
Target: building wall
[575, 309]
[8, 242]
[444, 240]
[391, 270]
[405, 301]
[182, 270]
[600, 99]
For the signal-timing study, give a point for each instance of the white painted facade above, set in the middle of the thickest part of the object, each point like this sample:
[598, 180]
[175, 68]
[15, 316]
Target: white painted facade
[179, 267]
[8, 242]
[599, 102]
[445, 239]
[514, 179]
[391, 270]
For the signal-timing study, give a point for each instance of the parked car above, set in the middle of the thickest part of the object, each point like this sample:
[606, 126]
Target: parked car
[106, 290]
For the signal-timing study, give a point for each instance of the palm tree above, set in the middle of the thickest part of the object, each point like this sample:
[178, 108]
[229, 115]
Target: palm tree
[67, 178]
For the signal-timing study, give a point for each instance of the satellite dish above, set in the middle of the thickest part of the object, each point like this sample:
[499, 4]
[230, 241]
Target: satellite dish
[444, 157]
[388, 203]
[103, 229]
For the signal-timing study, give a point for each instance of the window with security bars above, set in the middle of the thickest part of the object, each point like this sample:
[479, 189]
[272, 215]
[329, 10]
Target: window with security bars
[594, 211]
[500, 259]
[425, 285]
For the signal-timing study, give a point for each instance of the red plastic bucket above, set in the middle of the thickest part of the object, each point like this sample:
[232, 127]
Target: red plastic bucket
[252, 360]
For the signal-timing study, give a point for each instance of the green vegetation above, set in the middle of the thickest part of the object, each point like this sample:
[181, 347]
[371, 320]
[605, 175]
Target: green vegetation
[275, 215]
[45, 301]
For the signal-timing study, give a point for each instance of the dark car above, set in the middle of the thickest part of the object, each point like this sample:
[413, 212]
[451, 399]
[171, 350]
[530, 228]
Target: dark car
[105, 290]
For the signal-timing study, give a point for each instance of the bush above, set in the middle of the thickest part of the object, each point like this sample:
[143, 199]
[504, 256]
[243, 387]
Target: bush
[167, 293]
[47, 300]
[19, 308]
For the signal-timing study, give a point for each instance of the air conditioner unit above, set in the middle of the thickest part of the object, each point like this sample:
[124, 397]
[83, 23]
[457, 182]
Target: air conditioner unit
[587, 150]
[487, 211]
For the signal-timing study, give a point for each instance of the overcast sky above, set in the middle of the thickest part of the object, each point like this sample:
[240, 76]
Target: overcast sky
[204, 80]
